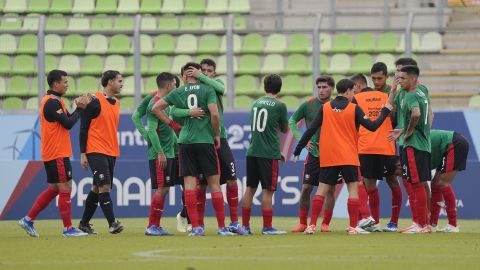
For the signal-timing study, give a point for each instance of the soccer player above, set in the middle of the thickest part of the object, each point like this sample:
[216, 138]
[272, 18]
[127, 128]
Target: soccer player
[99, 149]
[311, 168]
[449, 155]
[376, 153]
[379, 77]
[416, 150]
[268, 117]
[340, 120]
[56, 150]
[198, 141]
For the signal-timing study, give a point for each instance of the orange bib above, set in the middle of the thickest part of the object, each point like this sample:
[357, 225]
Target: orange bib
[55, 139]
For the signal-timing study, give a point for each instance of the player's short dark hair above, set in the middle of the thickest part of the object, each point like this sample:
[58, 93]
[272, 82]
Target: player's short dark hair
[108, 76]
[379, 67]
[411, 70]
[209, 62]
[326, 79]
[272, 83]
[164, 78]
[359, 78]
[55, 76]
[177, 82]
[406, 61]
[343, 85]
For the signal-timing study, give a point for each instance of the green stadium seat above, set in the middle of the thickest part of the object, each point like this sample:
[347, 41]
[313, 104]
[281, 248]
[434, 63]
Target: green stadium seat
[239, 23]
[129, 87]
[249, 64]
[70, 63]
[323, 63]
[128, 6]
[415, 43]
[296, 64]
[53, 44]
[339, 64]
[292, 85]
[164, 44]
[222, 64]
[342, 43]
[160, 63]
[431, 42]
[31, 22]
[32, 103]
[276, 43]
[74, 44]
[123, 24]
[325, 43]
[96, 44]
[216, 6]
[9, 22]
[8, 44]
[24, 65]
[389, 60]
[190, 23]
[178, 62]
[119, 44]
[83, 6]
[209, 43]
[172, 6]
[92, 65]
[37, 6]
[186, 43]
[61, 6]
[194, 7]
[150, 85]
[474, 102]
[291, 102]
[253, 43]
[243, 102]
[79, 24]
[146, 45]
[17, 86]
[148, 23]
[115, 62]
[200, 57]
[3, 87]
[56, 23]
[168, 23]
[102, 23]
[12, 103]
[299, 43]
[365, 42]
[131, 64]
[50, 63]
[387, 42]
[213, 24]
[150, 6]
[273, 63]
[362, 63]
[239, 6]
[33, 92]
[127, 103]
[237, 44]
[106, 6]
[87, 84]
[307, 89]
[15, 6]
[246, 85]
[4, 64]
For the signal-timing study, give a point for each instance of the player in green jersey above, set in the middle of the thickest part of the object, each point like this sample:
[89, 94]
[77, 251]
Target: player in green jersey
[311, 170]
[268, 117]
[449, 155]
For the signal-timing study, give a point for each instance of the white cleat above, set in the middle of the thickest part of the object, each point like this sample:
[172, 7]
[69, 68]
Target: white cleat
[357, 230]
[373, 228]
[450, 229]
[310, 229]
[366, 222]
[182, 223]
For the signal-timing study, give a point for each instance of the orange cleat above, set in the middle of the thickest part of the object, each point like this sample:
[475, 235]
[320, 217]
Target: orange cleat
[325, 228]
[300, 228]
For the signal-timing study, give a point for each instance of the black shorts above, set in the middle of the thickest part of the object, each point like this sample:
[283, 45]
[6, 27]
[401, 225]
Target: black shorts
[58, 170]
[374, 166]
[102, 167]
[228, 170]
[178, 179]
[416, 165]
[455, 159]
[197, 159]
[162, 178]
[311, 170]
[263, 171]
[333, 175]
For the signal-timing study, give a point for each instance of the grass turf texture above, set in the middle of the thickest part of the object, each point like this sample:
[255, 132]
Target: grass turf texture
[133, 250]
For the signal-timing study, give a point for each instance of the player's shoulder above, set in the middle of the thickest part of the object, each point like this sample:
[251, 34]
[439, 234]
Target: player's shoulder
[220, 81]
[311, 100]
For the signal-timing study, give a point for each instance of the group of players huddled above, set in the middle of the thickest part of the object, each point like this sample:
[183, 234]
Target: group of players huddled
[361, 136]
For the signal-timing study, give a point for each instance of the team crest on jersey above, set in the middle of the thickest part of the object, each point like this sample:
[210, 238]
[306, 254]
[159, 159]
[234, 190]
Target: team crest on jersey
[307, 176]
[101, 176]
[420, 93]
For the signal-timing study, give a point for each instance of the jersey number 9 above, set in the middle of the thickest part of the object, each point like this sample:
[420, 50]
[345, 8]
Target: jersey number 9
[192, 101]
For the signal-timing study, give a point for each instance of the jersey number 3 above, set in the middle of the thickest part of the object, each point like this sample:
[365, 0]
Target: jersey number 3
[259, 119]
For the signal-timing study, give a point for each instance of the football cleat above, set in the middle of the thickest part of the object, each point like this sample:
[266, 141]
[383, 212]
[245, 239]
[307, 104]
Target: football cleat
[87, 228]
[310, 229]
[450, 229]
[197, 231]
[299, 228]
[73, 232]
[235, 227]
[366, 222]
[357, 230]
[116, 227]
[325, 228]
[224, 232]
[182, 223]
[272, 231]
[28, 227]
[391, 227]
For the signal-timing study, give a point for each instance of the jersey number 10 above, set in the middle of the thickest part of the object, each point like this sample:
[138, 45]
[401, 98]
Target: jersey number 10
[259, 120]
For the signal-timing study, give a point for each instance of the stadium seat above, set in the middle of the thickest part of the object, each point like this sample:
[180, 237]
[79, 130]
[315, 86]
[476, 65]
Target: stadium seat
[87, 84]
[8, 44]
[216, 6]
[186, 44]
[79, 23]
[272, 63]
[209, 43]
[172, 6]
[50, 62]
[17, 86]
[4, 64]
[178, 62]
[83, 6]
[296, 64]
[150, 6]
[246, 85]
[92, 65]
[37, 6]
[60, 6]
[387, 42]
[292, 85]
[194, 7]
[150, 85]
[96, 44]
[431, 42]
[102, 23]
[131, 64]
[325, 42]
[323, 63]
[146, 45]
[415, 43]
[242, 102]
[362, 63]
[56, 23]
[115, 62]
[74, 44]
[27, 44]
[32, 103]
[128, 6]
[53, 44]
[160, 63]
[222, 64]
[31, 22]
[249, 64]
[12, 103]
[3, 87]
[339, 64]
[276, 43]
[291, 102]
[190, 24]
[33, 92]
[299, 43]
[15, 6]
[164, 44]
[148, 23]
[474, 102]
[168, 23]
[307, 89]
[342, 43]
[106, 6]
[213, 24]
[10, 22]
[127, 103]
[389, 60]
[129, 87]
[253, 43]
[237, 44]
[123, 24]
[365, 42]
[239, 6]
[239, 23]
[70, 63]
[200, 57]
[24, 65]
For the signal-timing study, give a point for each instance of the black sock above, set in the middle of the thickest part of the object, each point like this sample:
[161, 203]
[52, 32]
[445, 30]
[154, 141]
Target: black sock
[107, 206]
[91, 204]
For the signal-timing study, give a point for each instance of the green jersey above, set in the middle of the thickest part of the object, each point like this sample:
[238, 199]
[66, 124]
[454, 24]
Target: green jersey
[420, 138]
[139, 112]
[189, 96]
[267, 117]
[161, 137]
[440, 142]
[307, 111]
[219, 88]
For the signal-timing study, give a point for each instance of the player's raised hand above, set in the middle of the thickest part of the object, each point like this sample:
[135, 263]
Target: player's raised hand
[394, 134]
[82, 101]
[217, 142]
[84, 161]
[193, 72]
[162, 160]
[389, 106]
[196, 112]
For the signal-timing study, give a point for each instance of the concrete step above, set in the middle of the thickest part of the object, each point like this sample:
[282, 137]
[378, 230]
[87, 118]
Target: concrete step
[467, 23]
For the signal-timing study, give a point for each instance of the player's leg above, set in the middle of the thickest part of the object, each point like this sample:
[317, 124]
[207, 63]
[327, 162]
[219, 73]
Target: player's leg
[310, 175]
[202, 184]
[410, 192]
[372, 168]
[328, 210]
[350, 174]
[392, 170]
[183, 221]
[436, 199]
[161, 186]
[253, 179]
[228, 175]
[268, 180]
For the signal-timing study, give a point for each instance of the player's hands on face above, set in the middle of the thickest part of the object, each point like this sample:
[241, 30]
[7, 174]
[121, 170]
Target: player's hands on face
[193, 72]
[309, 145]
[162, 160]
[197, 113]
[217, 142]
[394, 134]
[83, 161]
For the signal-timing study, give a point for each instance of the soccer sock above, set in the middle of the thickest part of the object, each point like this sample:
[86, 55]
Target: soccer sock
[435, 204]
[396, 204]
[183, 213]
[91, 204]
[327, 216]
[217, 201]
[374, 202]
[267, 214]
[65, 208]
[42, 201]
[201, 199]
[317, 205]
[420, 203]
[450, 203]
[352, 206]
[246, 212]
[191, 205]
[303, 215]
[411, 199]
[107, 206]
[363, 210]
[156, 210]
[232, 199]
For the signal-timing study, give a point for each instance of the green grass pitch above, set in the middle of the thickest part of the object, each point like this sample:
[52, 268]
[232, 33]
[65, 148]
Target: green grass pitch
[133, 250]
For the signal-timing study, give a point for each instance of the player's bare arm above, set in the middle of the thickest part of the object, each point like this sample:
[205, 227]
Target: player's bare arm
[413, 122]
